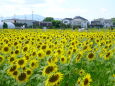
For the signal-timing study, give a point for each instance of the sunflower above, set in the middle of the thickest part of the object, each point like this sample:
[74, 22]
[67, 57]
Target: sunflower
[1, 59]
[91, 56]
[50, 69]
[17, 52]
[108, 55]
[12, 69]
[22, 77]
[54, 79]
[28, 72]
[79, 81]
[12, 59]
[5, 49]
[86, 80]
[15, 73]
[33, 64]
[21, 62]
[79, 56]
[63, 59]
[81, 72]
[25, 48]
[48, 52]
[41, 54]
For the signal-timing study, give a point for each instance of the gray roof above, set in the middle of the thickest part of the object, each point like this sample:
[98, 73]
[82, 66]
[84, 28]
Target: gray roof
[67, 18]
[79, 17]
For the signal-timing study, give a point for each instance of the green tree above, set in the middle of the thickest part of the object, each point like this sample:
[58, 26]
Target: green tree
[113, 20]
[56, 23]
[48, 19]
[5, 26]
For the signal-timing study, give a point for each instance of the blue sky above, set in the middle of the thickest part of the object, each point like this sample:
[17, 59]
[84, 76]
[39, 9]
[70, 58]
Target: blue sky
[90, 9]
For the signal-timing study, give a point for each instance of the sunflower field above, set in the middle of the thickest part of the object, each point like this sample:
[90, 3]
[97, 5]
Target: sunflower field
[36, 57]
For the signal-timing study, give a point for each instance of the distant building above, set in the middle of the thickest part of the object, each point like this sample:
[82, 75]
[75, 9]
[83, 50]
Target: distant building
[80, 22]
[101, 23]
[108, 23]
[42, 24]
[22, 21]
[67, 21]
[77, 21]
[8, 25]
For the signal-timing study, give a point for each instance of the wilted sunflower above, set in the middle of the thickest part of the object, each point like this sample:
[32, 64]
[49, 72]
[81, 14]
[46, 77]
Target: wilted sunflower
[50, 69]
[86, 80]
[54, 79]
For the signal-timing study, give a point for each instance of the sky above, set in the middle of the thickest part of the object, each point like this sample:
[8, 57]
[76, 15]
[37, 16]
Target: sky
[89, 9]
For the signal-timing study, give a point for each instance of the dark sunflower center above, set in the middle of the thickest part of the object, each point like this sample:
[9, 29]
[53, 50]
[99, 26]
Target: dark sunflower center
[21, 62]
[43, 47]
[32, 64]
[13, 68]
[39, 54]
[25, 49]
[15, 73]
[53, 78]
[22, 76]
[28, 72]
[1, 59]
[48, 52]
[6, 49]
[34, 53]
[86, 81]
[59, 51]
[108, 54]
[74, 50]
[17, 51]
[15, 43]
[85, 47]
[11, 59]
[49, 69]
[62, 59]
[91, 55]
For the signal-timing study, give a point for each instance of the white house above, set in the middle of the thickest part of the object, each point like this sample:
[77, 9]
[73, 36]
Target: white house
[100, 23]
[76, 22]
[67, 21]
[108, 23]
[80, 22]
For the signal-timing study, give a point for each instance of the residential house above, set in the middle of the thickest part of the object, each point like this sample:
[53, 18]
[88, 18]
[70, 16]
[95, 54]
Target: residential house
[77, 21]
[20, 21]
[67, 21]
[101, 23]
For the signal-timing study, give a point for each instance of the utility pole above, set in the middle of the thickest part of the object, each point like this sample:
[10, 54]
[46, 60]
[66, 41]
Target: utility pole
[32, 18]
